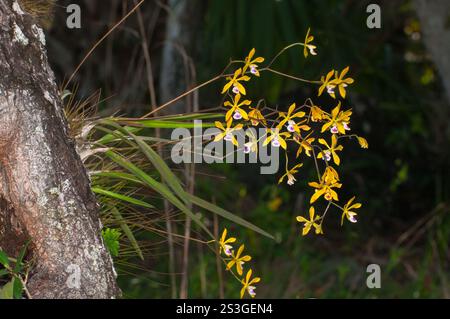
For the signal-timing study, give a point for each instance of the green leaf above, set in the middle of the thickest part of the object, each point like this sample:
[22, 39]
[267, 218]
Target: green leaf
[176, 117]
[169, 124]
[156, 186]
[124, 198]
[192, 116]
[226, 214]
[119, 175]
[7, 291]
[114, 135]
[166, 173]
[126, 229]
[111, 238]
[19, 265]
[4, 260]
[17, 288]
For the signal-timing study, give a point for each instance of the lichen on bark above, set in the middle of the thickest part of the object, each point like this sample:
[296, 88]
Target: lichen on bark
[45, 194]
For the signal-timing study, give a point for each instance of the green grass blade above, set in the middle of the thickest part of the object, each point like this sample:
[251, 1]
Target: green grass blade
[121, 197]
[112, 136]
[166, 173]
[226, 214]
[168, 124]
[119, 175]
[156, 186]
[184, 117]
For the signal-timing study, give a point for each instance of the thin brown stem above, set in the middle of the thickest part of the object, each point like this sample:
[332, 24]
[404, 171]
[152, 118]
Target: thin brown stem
[100, 41]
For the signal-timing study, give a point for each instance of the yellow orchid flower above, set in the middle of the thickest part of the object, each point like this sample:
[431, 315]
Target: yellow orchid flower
[322, 189]
[239, 261]
[316, 113]
[235, 111]
[362, 142]
[328, 181]
[331, 150]
[307, 46]
[256, 117]
[330, 176]
[277, 138]
[342, 82]
[247, 284]
[227, 133]
[290, 115]
[235, 82]
[290, 175]
[312, 222]
[252, 63]
[304, 144]
[292, 126]
[327, 84]
[339, 120]
[252, 145]
[224, 243]
[347, 211]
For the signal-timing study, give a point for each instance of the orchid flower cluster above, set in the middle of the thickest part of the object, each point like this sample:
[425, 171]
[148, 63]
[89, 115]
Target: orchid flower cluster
[304, 131]
[311, 130]
[236, 260]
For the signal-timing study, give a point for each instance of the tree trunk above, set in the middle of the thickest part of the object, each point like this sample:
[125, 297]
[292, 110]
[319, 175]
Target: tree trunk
[177, 72]
[45, 194]
[435, 23]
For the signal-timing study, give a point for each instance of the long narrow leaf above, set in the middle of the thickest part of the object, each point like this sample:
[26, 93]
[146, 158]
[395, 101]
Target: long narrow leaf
[119, 175]
[18, 266]
[127, 231]
[166, 173]
[124, 198]
[113, 135]
[226, 214]
[158, 187]
[168, 124]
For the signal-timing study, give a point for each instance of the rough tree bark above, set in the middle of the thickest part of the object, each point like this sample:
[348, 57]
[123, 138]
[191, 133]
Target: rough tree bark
[434, 18]
[45, 194]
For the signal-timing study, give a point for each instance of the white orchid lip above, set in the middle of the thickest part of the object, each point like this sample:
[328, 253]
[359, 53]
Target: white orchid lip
[291, 126]
[330, 89]
[228, 249]
[327, 156]
[334, 130]
[312, 49]
[247, 149]
[276, 142]
[346, 127]
[251, 291]
[253, 69]
[235, 89]
[352, 219]
[228, 137]
[291, 179]
[237, 115]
